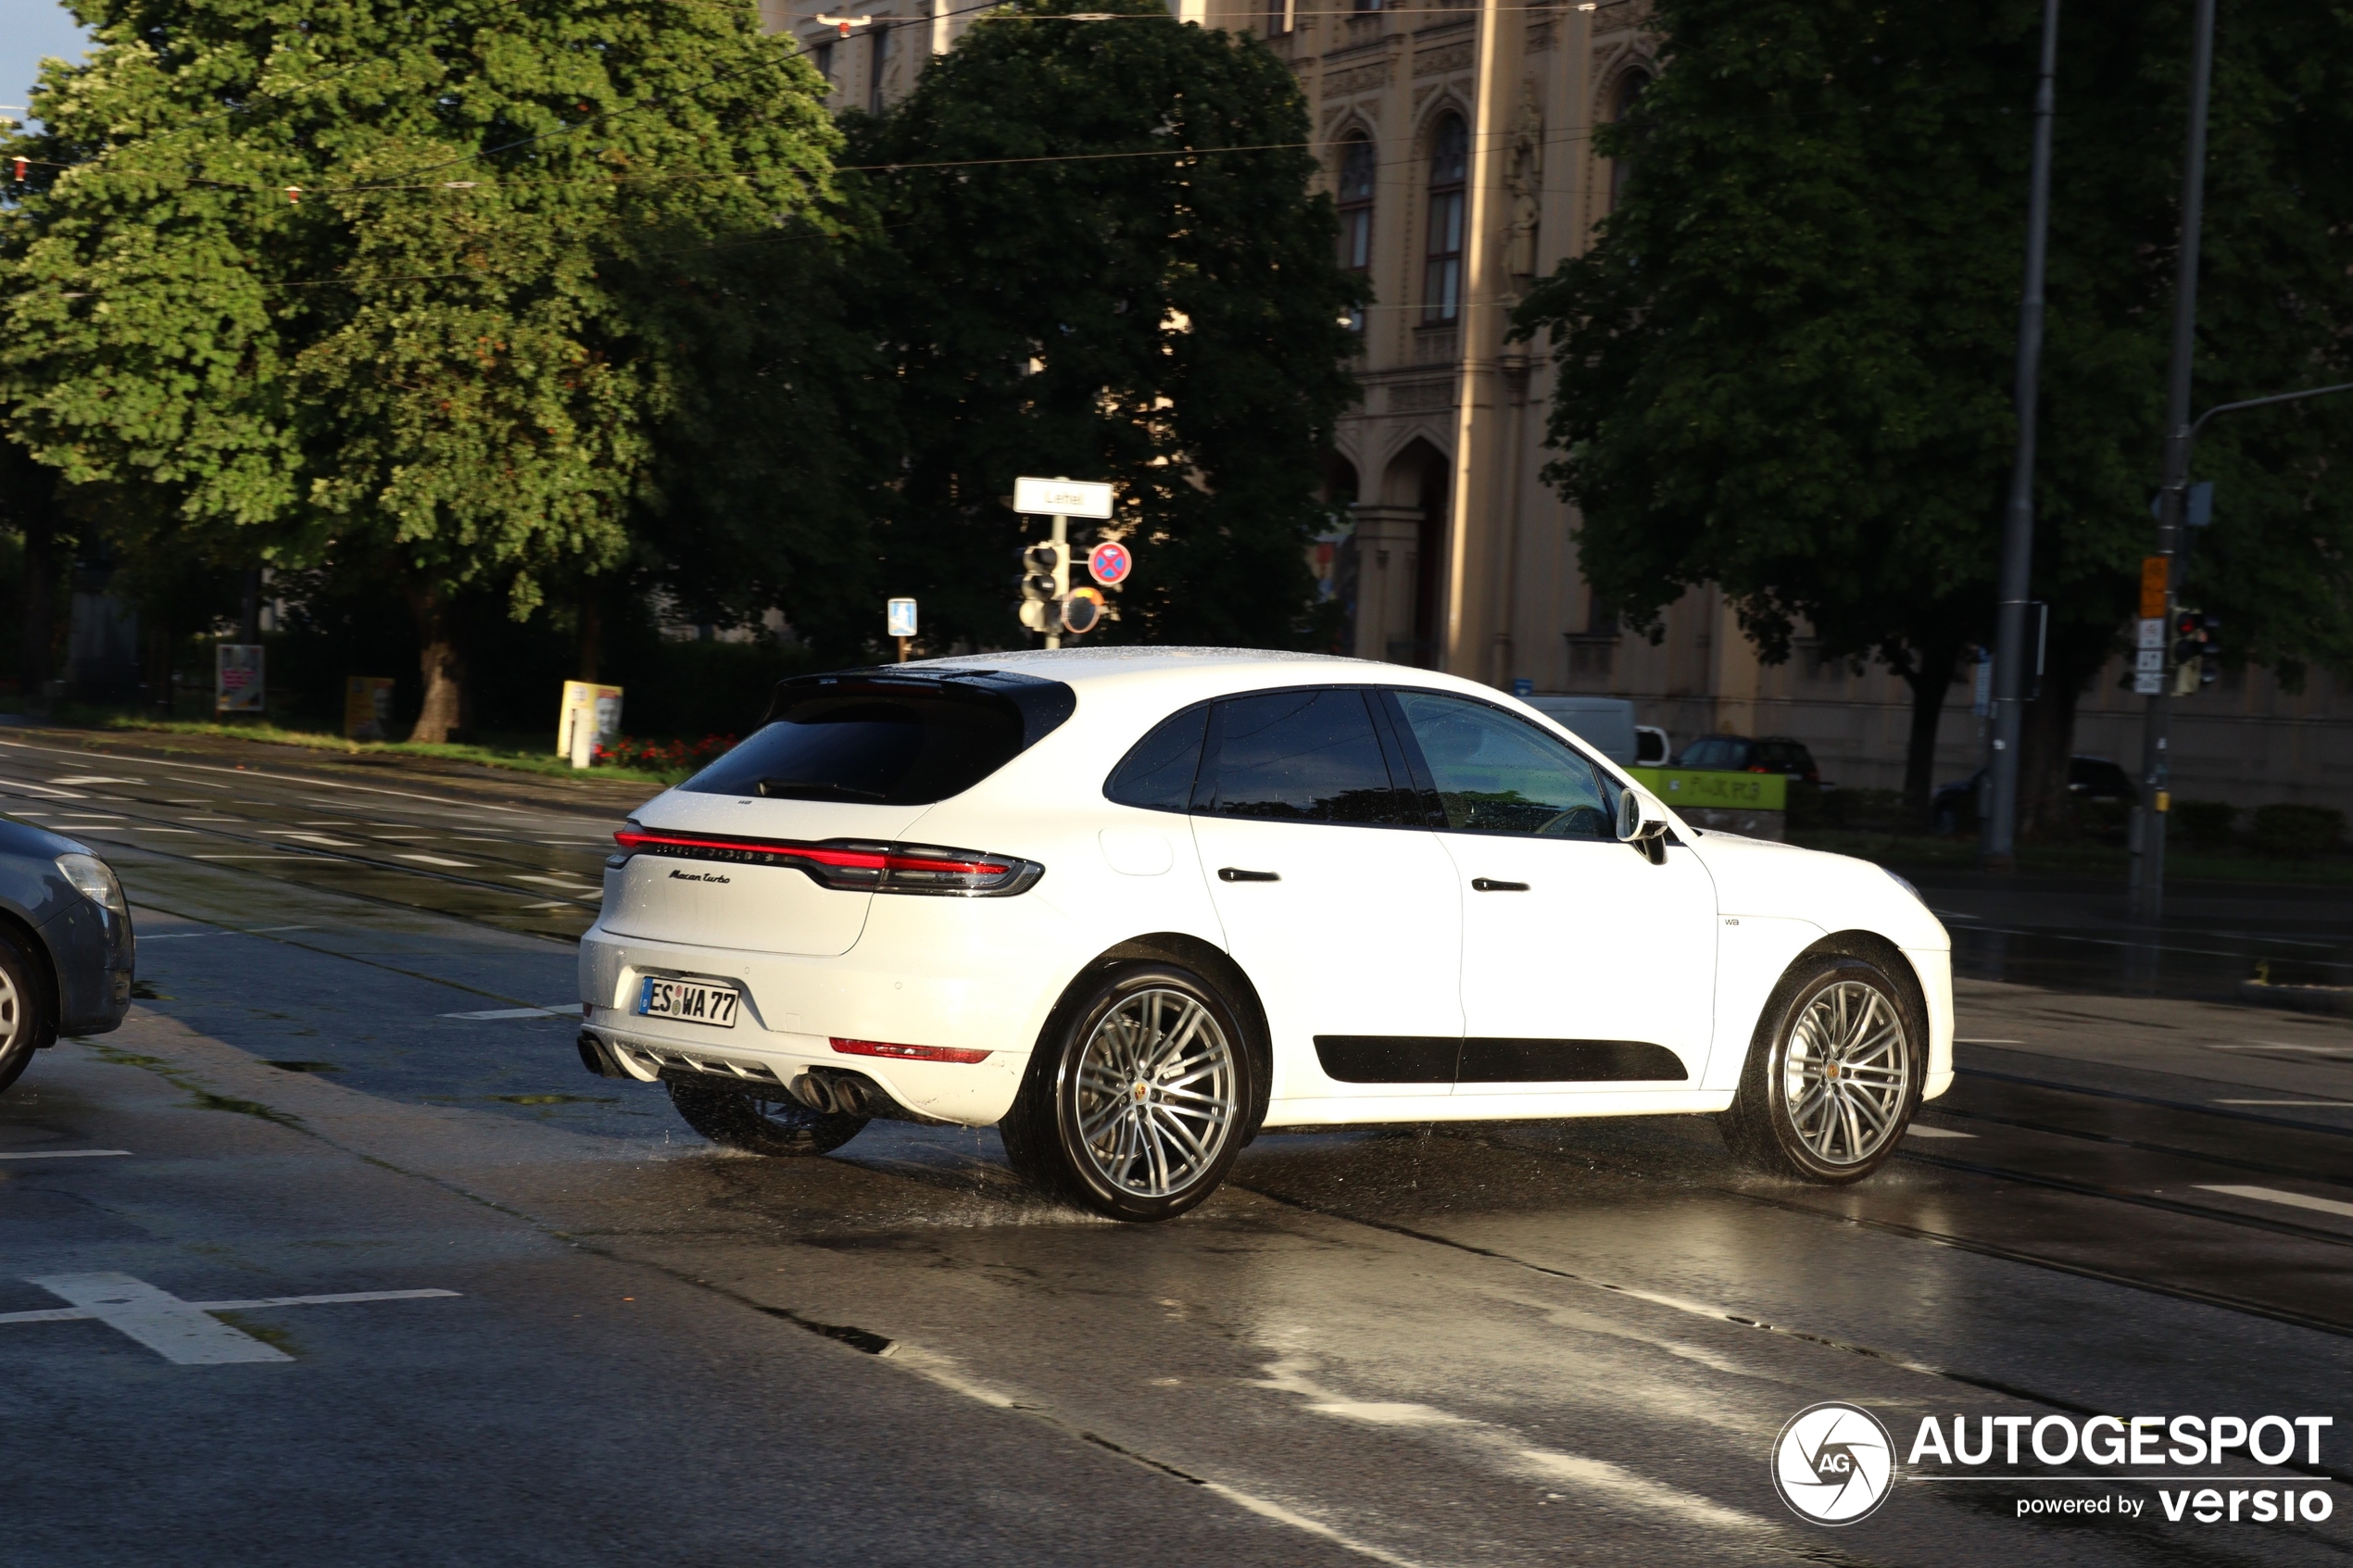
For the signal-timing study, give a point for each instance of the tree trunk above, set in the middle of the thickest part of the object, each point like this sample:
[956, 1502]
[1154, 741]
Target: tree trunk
[2047, 739]
[37, 636]
[1931, 678]
[443, 717]
[592, 632]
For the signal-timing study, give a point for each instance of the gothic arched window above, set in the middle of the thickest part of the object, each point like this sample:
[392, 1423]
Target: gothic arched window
[1442, 266]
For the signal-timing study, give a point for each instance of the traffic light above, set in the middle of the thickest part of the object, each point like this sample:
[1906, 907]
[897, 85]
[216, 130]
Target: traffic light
[1045, 580]
[2195, 651]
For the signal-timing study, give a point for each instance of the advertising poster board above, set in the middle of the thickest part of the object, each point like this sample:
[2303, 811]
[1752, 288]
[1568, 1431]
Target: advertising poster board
[589, 718]
[366, 708]
[237, 685]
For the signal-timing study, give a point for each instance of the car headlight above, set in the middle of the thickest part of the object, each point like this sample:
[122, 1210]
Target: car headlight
[95, 881]
[1906, 886]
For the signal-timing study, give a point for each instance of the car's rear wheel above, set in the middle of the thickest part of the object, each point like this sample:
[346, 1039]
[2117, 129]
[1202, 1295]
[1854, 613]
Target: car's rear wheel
[1135, 1101]
[26, 1021]
[1833, 1074]
[759, 1123]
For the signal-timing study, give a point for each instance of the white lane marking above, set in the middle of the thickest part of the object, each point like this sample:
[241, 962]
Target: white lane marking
[212, 818]
[2281, 1046]
[2287, 1200]
[434, 860]
[570, 884]
[2317, 1103]
[334, 822]
[572, 1011]
[1387, 1412]
[60, 1153]
[1916, 1130]
[1973, 1042]
[96, 778]
[253, 857]
[251, 773]
[317, 838]
[149, 827]
[70, 817]
[181, 1332]
[182, 935]
[44, 789]
[1652, 1497]
[940, 1369]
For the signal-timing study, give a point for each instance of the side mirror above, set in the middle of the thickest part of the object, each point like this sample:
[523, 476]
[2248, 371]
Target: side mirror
[1638, 827]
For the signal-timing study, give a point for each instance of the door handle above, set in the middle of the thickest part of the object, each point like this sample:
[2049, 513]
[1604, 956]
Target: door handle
[1234, 873]
[1489, 885]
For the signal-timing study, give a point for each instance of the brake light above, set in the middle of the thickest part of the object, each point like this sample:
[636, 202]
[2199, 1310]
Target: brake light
[908, 1053]
[851, 865]
[1760, 769]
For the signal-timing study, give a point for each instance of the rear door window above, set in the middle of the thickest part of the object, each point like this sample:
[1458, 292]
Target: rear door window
[1308, 755]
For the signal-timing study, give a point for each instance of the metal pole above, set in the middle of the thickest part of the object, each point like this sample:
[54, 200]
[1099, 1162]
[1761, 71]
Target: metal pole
[2000, 840]
[1061, 581]
[2148, 838]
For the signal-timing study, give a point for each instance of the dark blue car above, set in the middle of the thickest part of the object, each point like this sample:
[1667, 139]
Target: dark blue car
[65, 945]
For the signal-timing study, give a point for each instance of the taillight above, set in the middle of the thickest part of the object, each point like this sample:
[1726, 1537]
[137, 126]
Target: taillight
[908, 1053]
[851, 865]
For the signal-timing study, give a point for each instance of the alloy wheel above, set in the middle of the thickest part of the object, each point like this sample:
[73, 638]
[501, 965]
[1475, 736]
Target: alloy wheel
[1158, 1093]
[1848, 1073]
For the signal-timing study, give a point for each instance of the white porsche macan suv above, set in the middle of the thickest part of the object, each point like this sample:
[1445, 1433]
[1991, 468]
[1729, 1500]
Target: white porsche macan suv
[1133, 905]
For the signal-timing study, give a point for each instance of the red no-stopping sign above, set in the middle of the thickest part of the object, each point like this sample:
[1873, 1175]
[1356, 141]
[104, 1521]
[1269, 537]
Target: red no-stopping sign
[1109, 563]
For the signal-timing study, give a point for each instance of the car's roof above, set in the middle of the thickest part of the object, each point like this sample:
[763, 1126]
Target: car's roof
[1185, 674]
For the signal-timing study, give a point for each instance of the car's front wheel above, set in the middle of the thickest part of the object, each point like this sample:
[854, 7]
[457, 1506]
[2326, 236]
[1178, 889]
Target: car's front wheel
[1833, 1074]
[26, 1021]
[1134, 1104]
[758, 1125]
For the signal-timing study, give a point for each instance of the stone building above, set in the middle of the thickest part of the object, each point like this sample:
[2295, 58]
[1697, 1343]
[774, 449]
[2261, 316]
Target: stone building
[1457, 140]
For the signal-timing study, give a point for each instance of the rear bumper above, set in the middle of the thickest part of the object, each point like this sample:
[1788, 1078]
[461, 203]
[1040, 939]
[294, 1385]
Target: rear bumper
[795, 1006]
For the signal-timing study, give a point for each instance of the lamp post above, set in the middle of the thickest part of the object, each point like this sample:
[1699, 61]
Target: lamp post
[2000, 838]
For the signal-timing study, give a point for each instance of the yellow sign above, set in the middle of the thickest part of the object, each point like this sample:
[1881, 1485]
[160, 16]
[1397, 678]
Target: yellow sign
[1728, 792]
[366, 708]
[2156, 577]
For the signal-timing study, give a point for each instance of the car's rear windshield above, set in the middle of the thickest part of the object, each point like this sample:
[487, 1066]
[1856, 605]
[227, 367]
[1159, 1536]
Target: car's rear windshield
[887, 740]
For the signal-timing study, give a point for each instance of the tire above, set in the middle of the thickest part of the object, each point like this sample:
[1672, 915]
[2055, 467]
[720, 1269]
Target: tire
[1833, 1073]
[780, 1127]
[27, 1018]
[1135, 1099]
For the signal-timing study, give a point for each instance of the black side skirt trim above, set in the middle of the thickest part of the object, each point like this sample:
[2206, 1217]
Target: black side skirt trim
[1440, 1058]
[1578, 1062]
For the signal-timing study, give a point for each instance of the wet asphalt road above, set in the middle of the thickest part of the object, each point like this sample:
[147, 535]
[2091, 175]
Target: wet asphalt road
[1525, 1342]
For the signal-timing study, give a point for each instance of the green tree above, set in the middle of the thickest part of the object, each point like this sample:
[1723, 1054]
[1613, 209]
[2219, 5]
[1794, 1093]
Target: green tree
[1106, 261]
[417, 292]
[1785, 366]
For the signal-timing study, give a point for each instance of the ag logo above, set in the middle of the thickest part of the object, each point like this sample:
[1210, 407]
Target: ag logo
[1833, 1464]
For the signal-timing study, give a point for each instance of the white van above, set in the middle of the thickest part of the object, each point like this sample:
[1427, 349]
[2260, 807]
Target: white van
[1605, 724]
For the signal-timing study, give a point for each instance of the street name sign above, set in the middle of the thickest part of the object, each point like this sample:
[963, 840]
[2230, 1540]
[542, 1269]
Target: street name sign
[1061, 497]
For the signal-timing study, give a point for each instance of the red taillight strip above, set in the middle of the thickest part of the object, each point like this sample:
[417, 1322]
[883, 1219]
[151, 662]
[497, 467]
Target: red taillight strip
[849, 860]
[908, 1053]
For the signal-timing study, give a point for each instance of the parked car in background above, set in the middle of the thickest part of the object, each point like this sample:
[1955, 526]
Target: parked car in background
[65, 945]
[1954, 807]
[1736, 754]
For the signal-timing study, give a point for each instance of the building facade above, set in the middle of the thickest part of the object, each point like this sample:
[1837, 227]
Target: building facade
[1457, 143]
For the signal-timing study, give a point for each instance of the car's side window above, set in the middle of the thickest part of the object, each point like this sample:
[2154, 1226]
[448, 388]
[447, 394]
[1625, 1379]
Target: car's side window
[1298, 756]
[1158, 771]
[1705, 754]
[1497, 773]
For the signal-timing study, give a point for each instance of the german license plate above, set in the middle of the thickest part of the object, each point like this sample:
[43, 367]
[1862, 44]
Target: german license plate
[691, 1001]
